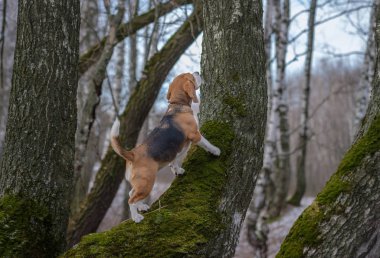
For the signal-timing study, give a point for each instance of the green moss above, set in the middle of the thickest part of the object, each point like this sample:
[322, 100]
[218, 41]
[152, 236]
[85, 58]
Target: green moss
[236, 104]
[25, 229]
[339, 182]
[366, 145]
[183, 220]
[305, 231]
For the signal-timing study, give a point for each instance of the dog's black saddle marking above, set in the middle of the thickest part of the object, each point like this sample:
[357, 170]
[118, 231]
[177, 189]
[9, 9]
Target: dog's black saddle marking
[165, 141]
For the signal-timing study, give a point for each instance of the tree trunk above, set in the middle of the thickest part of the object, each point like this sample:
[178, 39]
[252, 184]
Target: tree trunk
[36, 174]
[133, 6]
[344, 220]
[256, 218]
[303, 137]
[368, 72]
[280, 104]
[112, 170]
[92, 55]
[88, 112]
[201, 214]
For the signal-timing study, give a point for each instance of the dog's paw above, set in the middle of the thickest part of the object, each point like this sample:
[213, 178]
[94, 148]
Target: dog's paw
[137, 218]
[180, 171]
[142, 207]
[176, 170]
[215, 151]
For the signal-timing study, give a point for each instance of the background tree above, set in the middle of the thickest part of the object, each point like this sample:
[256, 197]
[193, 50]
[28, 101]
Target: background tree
[344, 218]
[304, 133]
[367, 74]
[257, 215]
[36, 173]
[94, 87]
[281, 173]
[188, 218]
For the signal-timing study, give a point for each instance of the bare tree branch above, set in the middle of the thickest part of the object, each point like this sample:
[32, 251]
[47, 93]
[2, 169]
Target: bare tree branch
[125, 30]
[292, 40]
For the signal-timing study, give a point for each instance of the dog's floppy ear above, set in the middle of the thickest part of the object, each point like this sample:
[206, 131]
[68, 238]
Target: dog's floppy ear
[190, 90]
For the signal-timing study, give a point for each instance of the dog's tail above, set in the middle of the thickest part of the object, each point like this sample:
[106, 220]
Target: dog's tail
[115, 142]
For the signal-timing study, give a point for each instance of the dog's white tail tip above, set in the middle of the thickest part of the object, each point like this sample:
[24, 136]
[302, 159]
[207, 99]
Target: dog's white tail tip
[115, 128]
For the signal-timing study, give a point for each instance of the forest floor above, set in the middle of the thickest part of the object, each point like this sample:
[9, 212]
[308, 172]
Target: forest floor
[278, 230]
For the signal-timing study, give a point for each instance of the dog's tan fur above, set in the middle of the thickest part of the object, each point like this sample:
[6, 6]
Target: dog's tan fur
[143, 168]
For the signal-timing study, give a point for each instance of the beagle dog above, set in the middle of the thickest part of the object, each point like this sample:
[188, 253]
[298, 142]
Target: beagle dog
[166, 145]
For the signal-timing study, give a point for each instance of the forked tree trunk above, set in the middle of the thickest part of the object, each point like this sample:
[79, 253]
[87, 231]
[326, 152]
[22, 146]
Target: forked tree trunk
[303, 136]
[344, 221]
[112, 170]
[201, 214]
[36, 172]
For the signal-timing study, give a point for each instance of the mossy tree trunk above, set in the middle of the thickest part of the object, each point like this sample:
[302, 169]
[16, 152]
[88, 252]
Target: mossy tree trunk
[111, 173]
[36, 173]
[344, 220]
[233, 65]
[202, 212]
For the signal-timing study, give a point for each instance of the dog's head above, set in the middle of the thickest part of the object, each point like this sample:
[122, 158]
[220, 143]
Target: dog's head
[183, 88]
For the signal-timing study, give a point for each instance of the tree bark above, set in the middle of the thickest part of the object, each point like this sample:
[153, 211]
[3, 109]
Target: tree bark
[230, 67]
[88, 112]
[92, 55]
[201, 214]
[112, 170]
[36, 173]
[280, 104]
[344, 219]
[303, 137]
[133, 6]
[256, 218]
[368, 72]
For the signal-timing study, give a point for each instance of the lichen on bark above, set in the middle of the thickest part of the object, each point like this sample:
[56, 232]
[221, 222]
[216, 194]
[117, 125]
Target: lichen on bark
[183, 219]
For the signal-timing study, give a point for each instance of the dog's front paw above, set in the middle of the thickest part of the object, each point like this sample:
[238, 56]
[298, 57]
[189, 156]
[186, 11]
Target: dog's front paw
[137, 218]
[215, 151]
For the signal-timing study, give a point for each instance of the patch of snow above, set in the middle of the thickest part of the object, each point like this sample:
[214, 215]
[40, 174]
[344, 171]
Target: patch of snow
[277, 231]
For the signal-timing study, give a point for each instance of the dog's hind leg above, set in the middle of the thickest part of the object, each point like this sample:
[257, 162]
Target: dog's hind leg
[175, 165]
[136, 217]
[142, 206]
[136, 197]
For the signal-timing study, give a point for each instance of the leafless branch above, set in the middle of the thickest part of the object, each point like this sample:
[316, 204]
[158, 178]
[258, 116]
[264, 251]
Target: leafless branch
[329, 19]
